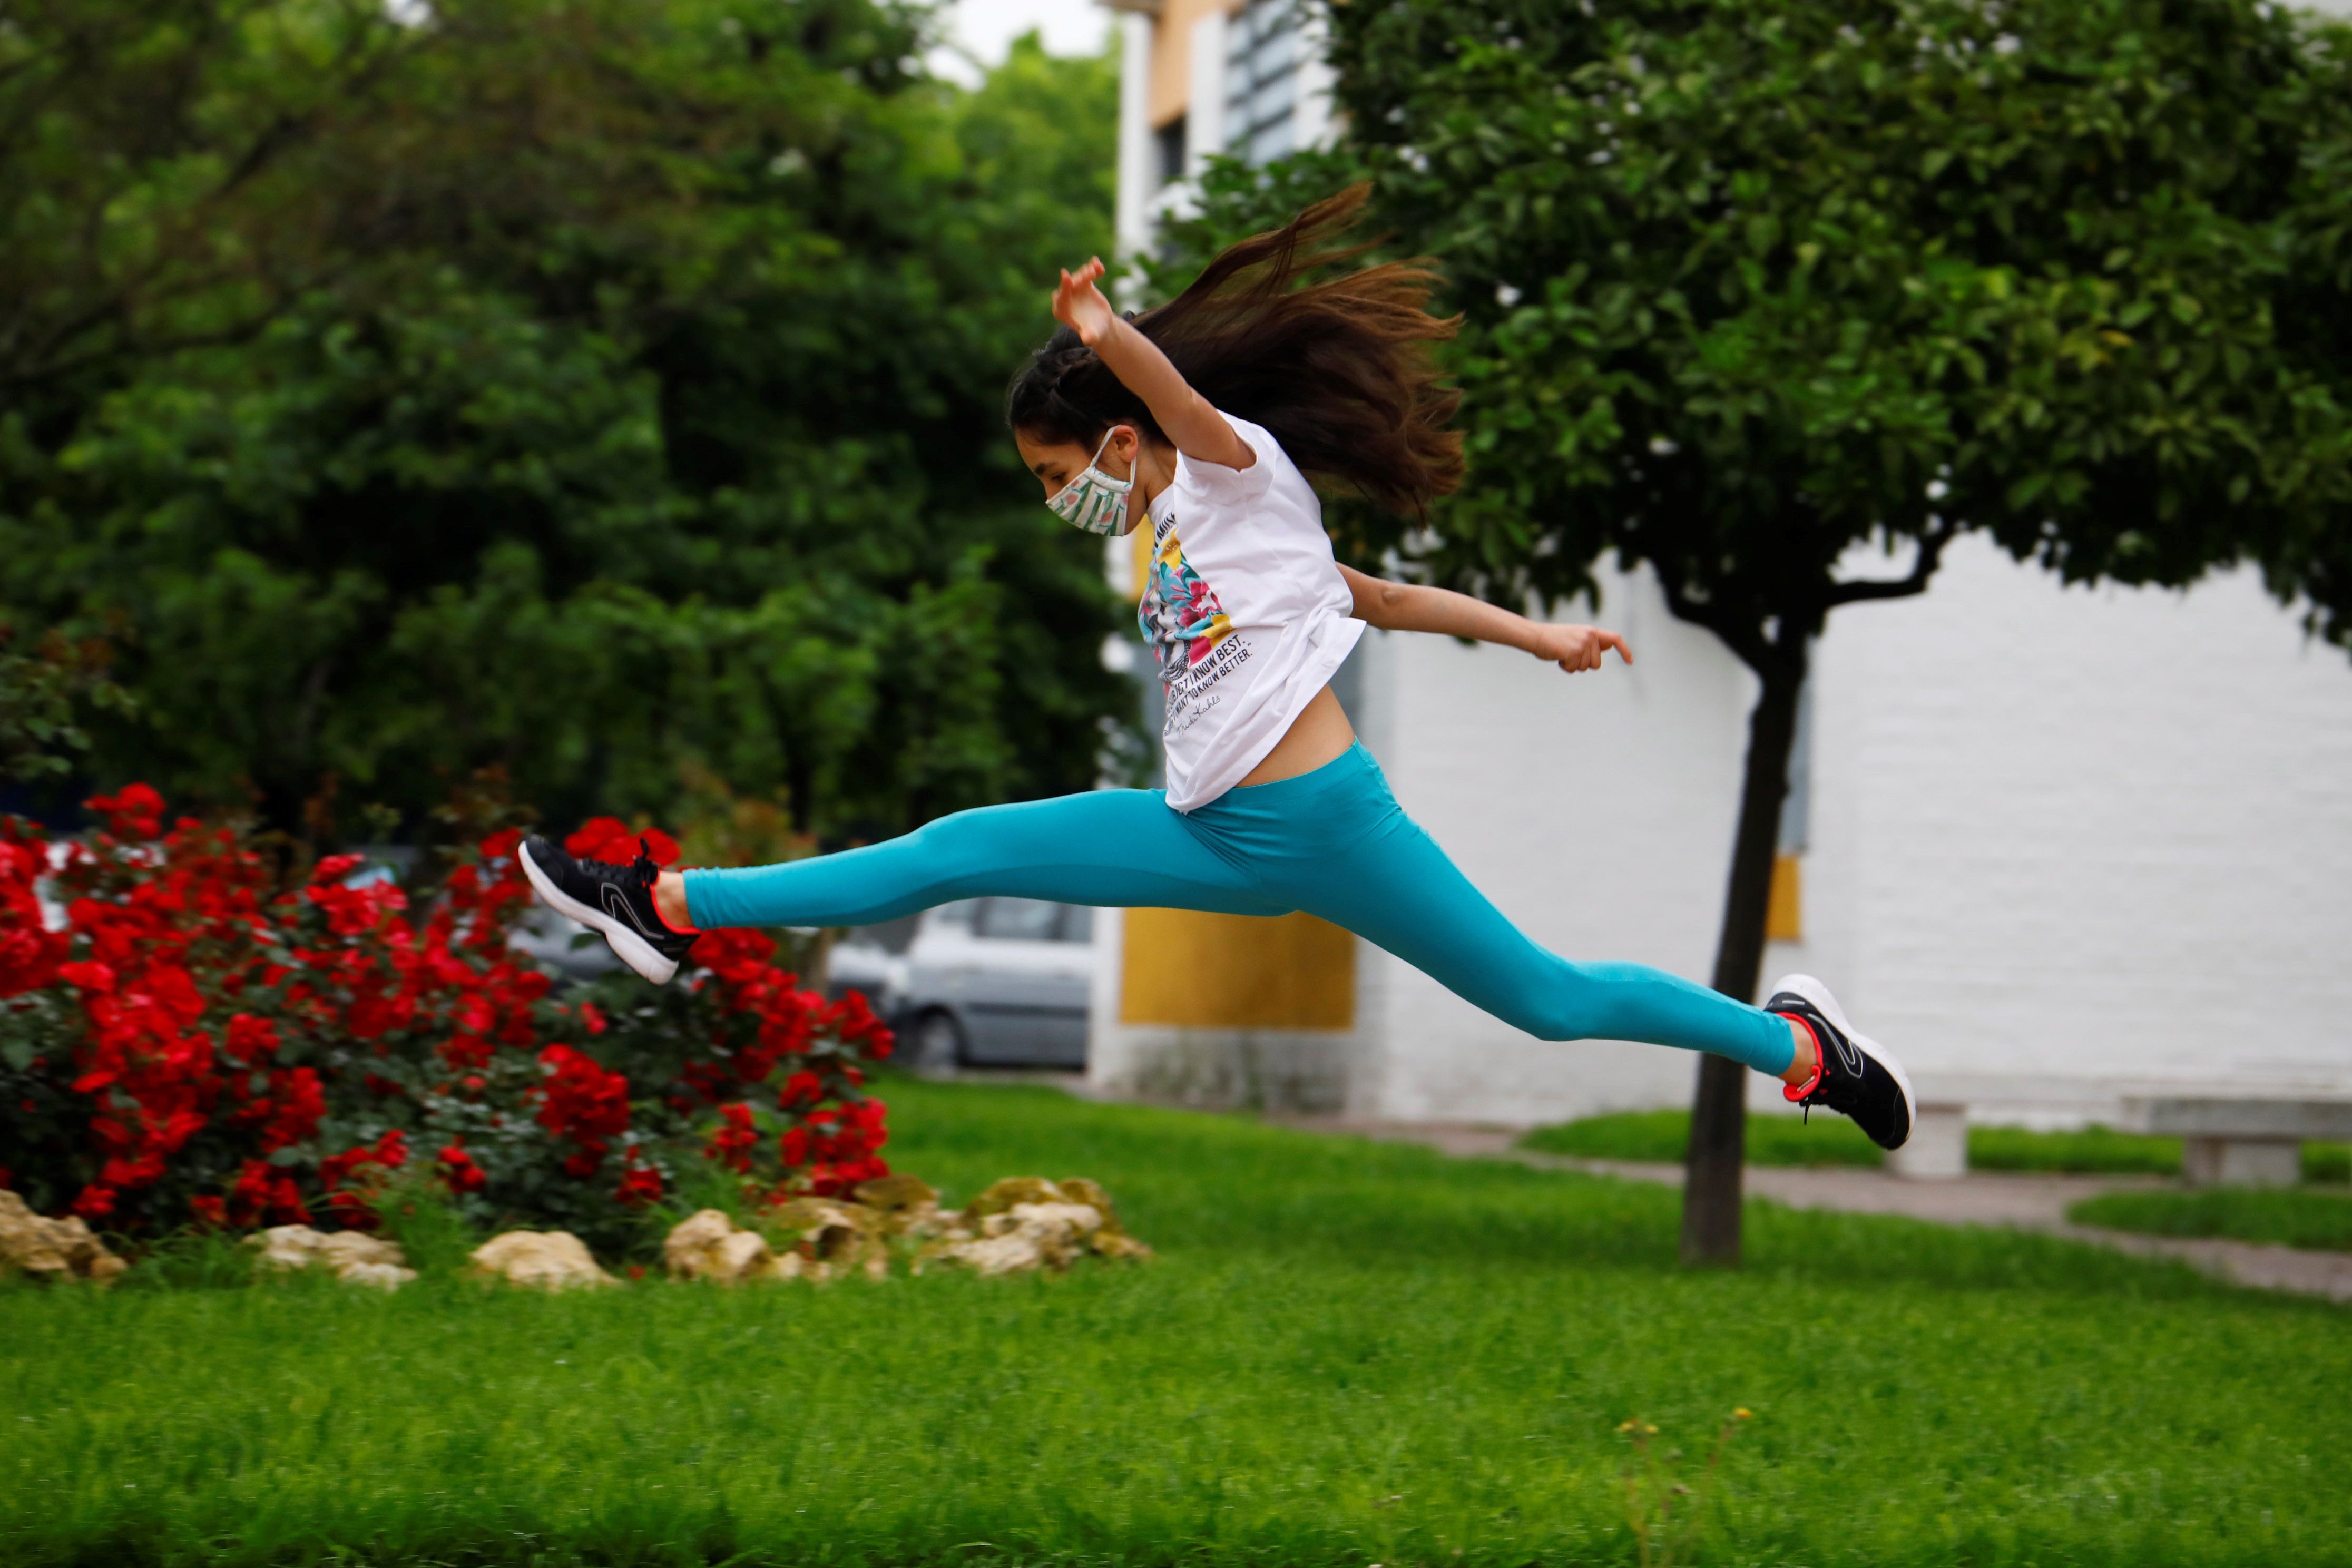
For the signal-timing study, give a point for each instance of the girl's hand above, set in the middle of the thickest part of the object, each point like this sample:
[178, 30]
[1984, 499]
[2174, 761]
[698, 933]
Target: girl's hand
[1079, 305]
[1575, 648]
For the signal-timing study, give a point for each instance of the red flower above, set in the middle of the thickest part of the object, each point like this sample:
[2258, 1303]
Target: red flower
[610, 839]
[639, 1186]
[251, 1040]
[456, 1168]
[193, 989]
[96, 1201]
[732, 1143]
[136, 813]
[334, 869]
[262, 1190]
[580, 1100]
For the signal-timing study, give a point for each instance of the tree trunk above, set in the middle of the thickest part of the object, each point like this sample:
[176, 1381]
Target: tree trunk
[1711, 1179]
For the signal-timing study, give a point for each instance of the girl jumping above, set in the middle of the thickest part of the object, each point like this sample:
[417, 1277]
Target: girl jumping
[1201, 420]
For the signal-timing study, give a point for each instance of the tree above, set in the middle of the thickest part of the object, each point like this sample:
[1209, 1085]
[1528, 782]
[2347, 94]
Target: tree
[645, 411]
[1778, 299]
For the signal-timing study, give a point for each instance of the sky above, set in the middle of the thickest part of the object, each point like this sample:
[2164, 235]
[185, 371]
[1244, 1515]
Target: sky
[986, 29]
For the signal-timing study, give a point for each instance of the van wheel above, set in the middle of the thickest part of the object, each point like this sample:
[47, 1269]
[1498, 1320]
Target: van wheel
[938, 1042]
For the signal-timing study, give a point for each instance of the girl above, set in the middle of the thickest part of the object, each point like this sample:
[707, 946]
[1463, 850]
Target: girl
[1200, 420]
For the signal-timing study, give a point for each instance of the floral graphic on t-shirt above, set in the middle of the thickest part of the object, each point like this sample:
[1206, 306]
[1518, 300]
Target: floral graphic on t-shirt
[1179, 613]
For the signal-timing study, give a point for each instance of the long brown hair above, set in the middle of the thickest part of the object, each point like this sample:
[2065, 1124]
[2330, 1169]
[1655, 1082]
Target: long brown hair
[1339, 371]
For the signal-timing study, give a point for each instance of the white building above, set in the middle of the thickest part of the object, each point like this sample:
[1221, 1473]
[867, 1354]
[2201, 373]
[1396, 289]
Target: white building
[2052, 845]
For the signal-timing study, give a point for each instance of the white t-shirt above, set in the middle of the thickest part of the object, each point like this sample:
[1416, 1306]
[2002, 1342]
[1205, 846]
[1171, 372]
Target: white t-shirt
[1246, 610]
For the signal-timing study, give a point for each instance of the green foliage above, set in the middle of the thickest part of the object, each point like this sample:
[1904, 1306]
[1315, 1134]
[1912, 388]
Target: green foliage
[43, 691]
[1748, 289]
[2327, 1163]
[2100, 1151]
[1347, 1352]
[644, 412]
[2287, 1217]
[416, 1209]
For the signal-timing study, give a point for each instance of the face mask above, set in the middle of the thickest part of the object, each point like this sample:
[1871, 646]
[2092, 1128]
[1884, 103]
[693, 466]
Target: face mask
[1094, 501]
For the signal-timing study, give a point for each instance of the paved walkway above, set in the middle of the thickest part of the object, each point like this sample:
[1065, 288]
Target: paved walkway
[1996, 1198]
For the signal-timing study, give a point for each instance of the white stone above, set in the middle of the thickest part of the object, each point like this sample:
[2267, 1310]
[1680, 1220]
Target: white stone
[542, 1261]
[352, 1256]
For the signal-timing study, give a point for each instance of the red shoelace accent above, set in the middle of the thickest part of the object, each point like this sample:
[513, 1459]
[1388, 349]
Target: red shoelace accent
[1793, 1092]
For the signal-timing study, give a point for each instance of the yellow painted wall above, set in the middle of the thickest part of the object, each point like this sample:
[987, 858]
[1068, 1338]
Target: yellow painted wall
[1190, 969]
[1171, 55]
[1184, 968]
[1784, 911]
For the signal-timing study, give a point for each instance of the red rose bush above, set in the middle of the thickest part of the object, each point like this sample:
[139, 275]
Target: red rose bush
[193, 1042]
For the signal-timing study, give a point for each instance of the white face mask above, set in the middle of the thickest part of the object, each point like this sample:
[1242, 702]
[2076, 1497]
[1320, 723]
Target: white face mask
[1094, 501]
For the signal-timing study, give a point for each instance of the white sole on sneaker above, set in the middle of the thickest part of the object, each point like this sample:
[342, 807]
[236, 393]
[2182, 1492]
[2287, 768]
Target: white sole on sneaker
[634, 948]
[1814, 990]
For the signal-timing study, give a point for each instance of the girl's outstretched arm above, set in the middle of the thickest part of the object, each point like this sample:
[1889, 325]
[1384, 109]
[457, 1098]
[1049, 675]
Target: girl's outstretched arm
[1198, 430]
[1413, 607]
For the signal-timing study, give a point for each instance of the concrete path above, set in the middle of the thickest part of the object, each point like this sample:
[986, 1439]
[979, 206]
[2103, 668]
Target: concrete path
[1996, 1198]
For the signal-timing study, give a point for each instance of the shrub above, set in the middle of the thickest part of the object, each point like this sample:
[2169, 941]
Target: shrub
[195, 1043]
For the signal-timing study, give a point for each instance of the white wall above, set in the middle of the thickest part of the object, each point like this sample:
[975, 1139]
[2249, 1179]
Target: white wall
[2097, 835]
[1595, 810]
[2064, 843]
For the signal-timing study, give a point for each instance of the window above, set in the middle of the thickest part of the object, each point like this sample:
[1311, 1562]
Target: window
[1170, 142]
[1031, 920]
[1261, 80]
[1016, 920]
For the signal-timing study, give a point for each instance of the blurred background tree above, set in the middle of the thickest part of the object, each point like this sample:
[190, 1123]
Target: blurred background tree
[1777, 299]
[594, 390]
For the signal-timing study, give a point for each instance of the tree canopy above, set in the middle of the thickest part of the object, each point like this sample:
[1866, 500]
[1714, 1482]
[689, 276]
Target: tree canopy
[588, 389]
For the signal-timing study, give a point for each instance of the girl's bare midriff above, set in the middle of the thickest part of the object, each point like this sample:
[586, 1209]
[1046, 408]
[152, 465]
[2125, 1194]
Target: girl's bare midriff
[1320, 734]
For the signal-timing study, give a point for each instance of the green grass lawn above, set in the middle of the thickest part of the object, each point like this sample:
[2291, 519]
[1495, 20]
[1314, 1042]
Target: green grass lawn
[2290, 1217]
[1347, 1354]
[1833, 1141]
[1664, 1135]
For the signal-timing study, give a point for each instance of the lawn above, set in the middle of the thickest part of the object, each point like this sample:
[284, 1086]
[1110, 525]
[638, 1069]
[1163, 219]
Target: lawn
[1347, 1354]
[2289, 1216]
[1833, 1141]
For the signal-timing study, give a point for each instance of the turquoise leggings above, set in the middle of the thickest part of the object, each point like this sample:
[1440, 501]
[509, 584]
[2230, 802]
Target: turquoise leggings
[1333, 842]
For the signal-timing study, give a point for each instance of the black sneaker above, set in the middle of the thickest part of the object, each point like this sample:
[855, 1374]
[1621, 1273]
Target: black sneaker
[1858, 1076]
[617, 900]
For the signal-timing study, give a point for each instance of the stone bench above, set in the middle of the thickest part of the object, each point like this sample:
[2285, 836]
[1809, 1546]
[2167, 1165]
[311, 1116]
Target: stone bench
[2241, 1142]
[1938, 1149]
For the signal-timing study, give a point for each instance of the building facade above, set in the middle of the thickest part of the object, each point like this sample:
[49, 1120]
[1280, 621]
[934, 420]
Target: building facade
[2052, 845]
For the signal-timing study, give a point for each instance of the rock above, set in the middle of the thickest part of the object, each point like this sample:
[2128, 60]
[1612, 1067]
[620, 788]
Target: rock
[544, 1260]
[897, 1193]
[1000, 1196]
[687, 1251]
[1111, 1240]
[52, 1249]
[353, 1256]
[376, 1276]
[709, 1247]
[837, 1238]
[1040, 1228]
[1020, 1224]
